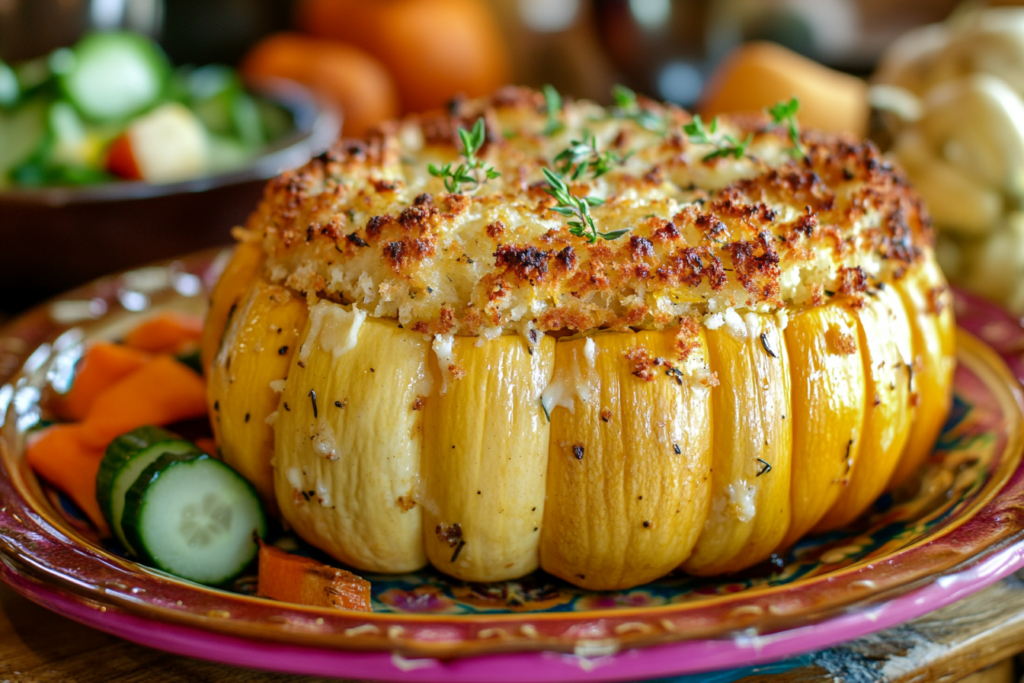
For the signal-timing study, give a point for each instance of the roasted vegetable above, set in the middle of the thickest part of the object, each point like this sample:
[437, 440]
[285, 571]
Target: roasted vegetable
[485, 458]
[628, 466]
[259, 344]
[752, 442]
[349, 439]
[656, 343]
[303, 581]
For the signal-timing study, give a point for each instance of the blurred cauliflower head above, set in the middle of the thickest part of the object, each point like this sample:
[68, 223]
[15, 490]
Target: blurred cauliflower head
[956, 92]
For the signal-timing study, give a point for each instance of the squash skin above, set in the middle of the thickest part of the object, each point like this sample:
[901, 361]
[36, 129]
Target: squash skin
[753, 436]
[346, 470]
[238, 277]
[886, 343]
[830, 361]
[926, 297]
[239, 393]
[827, 376]
[485, 460]
[627, 493]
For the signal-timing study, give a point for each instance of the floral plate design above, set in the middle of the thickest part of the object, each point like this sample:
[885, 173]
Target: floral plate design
[959, 527]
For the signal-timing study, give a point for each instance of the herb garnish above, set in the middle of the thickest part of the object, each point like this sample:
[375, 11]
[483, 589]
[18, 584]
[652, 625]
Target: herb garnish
[725, 145]
[785, 112]
[582, 156]
[553, 102]
[765, 467]
[627, 107]
[578, 208]
[470, 171]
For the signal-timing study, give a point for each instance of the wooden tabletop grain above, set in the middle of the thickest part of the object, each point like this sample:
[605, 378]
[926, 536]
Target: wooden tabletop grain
[972, 641]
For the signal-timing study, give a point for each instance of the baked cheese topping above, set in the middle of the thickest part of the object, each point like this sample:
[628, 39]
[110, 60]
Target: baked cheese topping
[765, 229]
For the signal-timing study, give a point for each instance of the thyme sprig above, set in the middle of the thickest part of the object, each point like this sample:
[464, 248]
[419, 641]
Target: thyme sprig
[785, 113]
[577, 208]
[553, 103]
[582, 156]
[707, 134]
[627, 107]
[473, 168]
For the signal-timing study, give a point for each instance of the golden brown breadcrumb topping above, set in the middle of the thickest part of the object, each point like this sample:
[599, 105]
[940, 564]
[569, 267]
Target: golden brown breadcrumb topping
[366, 223]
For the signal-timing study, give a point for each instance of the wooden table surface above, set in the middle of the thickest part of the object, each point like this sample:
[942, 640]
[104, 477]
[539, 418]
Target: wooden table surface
[973, 640]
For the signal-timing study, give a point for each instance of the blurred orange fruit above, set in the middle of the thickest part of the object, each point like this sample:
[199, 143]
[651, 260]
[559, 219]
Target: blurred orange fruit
[359, 84]
[434, 48]
[758, 75]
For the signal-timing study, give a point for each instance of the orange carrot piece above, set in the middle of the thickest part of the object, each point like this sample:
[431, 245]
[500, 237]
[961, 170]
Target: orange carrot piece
[292, 578]
[58, 455]
[161, 392]
[206, 445]
[166, 332]
[103, 365]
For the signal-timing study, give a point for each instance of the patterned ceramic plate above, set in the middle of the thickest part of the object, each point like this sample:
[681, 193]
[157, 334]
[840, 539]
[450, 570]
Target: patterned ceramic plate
[958, 532]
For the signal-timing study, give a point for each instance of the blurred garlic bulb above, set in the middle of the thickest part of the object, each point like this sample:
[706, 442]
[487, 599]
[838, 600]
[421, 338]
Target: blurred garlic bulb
[955, 97]
[966, 151]
[994, 267]
[908, 61]
[989, 41]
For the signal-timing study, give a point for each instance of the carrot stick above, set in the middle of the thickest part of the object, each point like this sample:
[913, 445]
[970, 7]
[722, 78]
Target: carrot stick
[166, 332]
[160, 392]
[58, 455]
[206, 445]
[102, 366]
[292, 578]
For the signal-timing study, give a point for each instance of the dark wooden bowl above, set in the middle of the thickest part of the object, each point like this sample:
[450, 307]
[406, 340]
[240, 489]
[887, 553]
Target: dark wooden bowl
[52, 239]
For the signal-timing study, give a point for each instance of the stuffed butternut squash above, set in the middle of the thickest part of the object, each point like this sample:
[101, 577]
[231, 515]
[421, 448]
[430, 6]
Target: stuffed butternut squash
[606, 342]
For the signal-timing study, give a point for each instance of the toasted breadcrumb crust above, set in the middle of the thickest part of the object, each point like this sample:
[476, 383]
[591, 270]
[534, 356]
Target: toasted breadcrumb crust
[366, 224]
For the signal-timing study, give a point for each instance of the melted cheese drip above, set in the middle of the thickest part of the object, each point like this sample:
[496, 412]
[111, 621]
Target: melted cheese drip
[323, 495]
[294, 478]
[333, 329]
[577, 381]
[323, 439]
[741, 499]
[443, 350]
[590, 352]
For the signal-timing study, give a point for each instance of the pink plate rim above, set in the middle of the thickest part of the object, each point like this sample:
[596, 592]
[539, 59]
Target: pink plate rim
[993, 562]
[693, 656]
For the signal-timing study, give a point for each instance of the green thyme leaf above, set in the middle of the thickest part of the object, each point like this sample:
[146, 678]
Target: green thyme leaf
[469, 172]
[623, 96]
[582, 157]
[627, 106]
[707, 134]
[578, 208]
[614, 234]
[553, 102]
[785, 113]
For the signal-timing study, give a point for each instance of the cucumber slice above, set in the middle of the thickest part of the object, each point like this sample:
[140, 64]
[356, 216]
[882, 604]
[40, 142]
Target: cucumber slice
[194, 517]
[126, 458]
[22, 132]
[10, 91]
[115, 75]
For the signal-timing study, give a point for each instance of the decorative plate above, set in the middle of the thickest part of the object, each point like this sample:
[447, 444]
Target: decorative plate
[961, 529]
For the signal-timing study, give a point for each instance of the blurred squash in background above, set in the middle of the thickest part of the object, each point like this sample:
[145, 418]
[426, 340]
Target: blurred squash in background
[347, 76]
[759, 74]
[434, 48]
